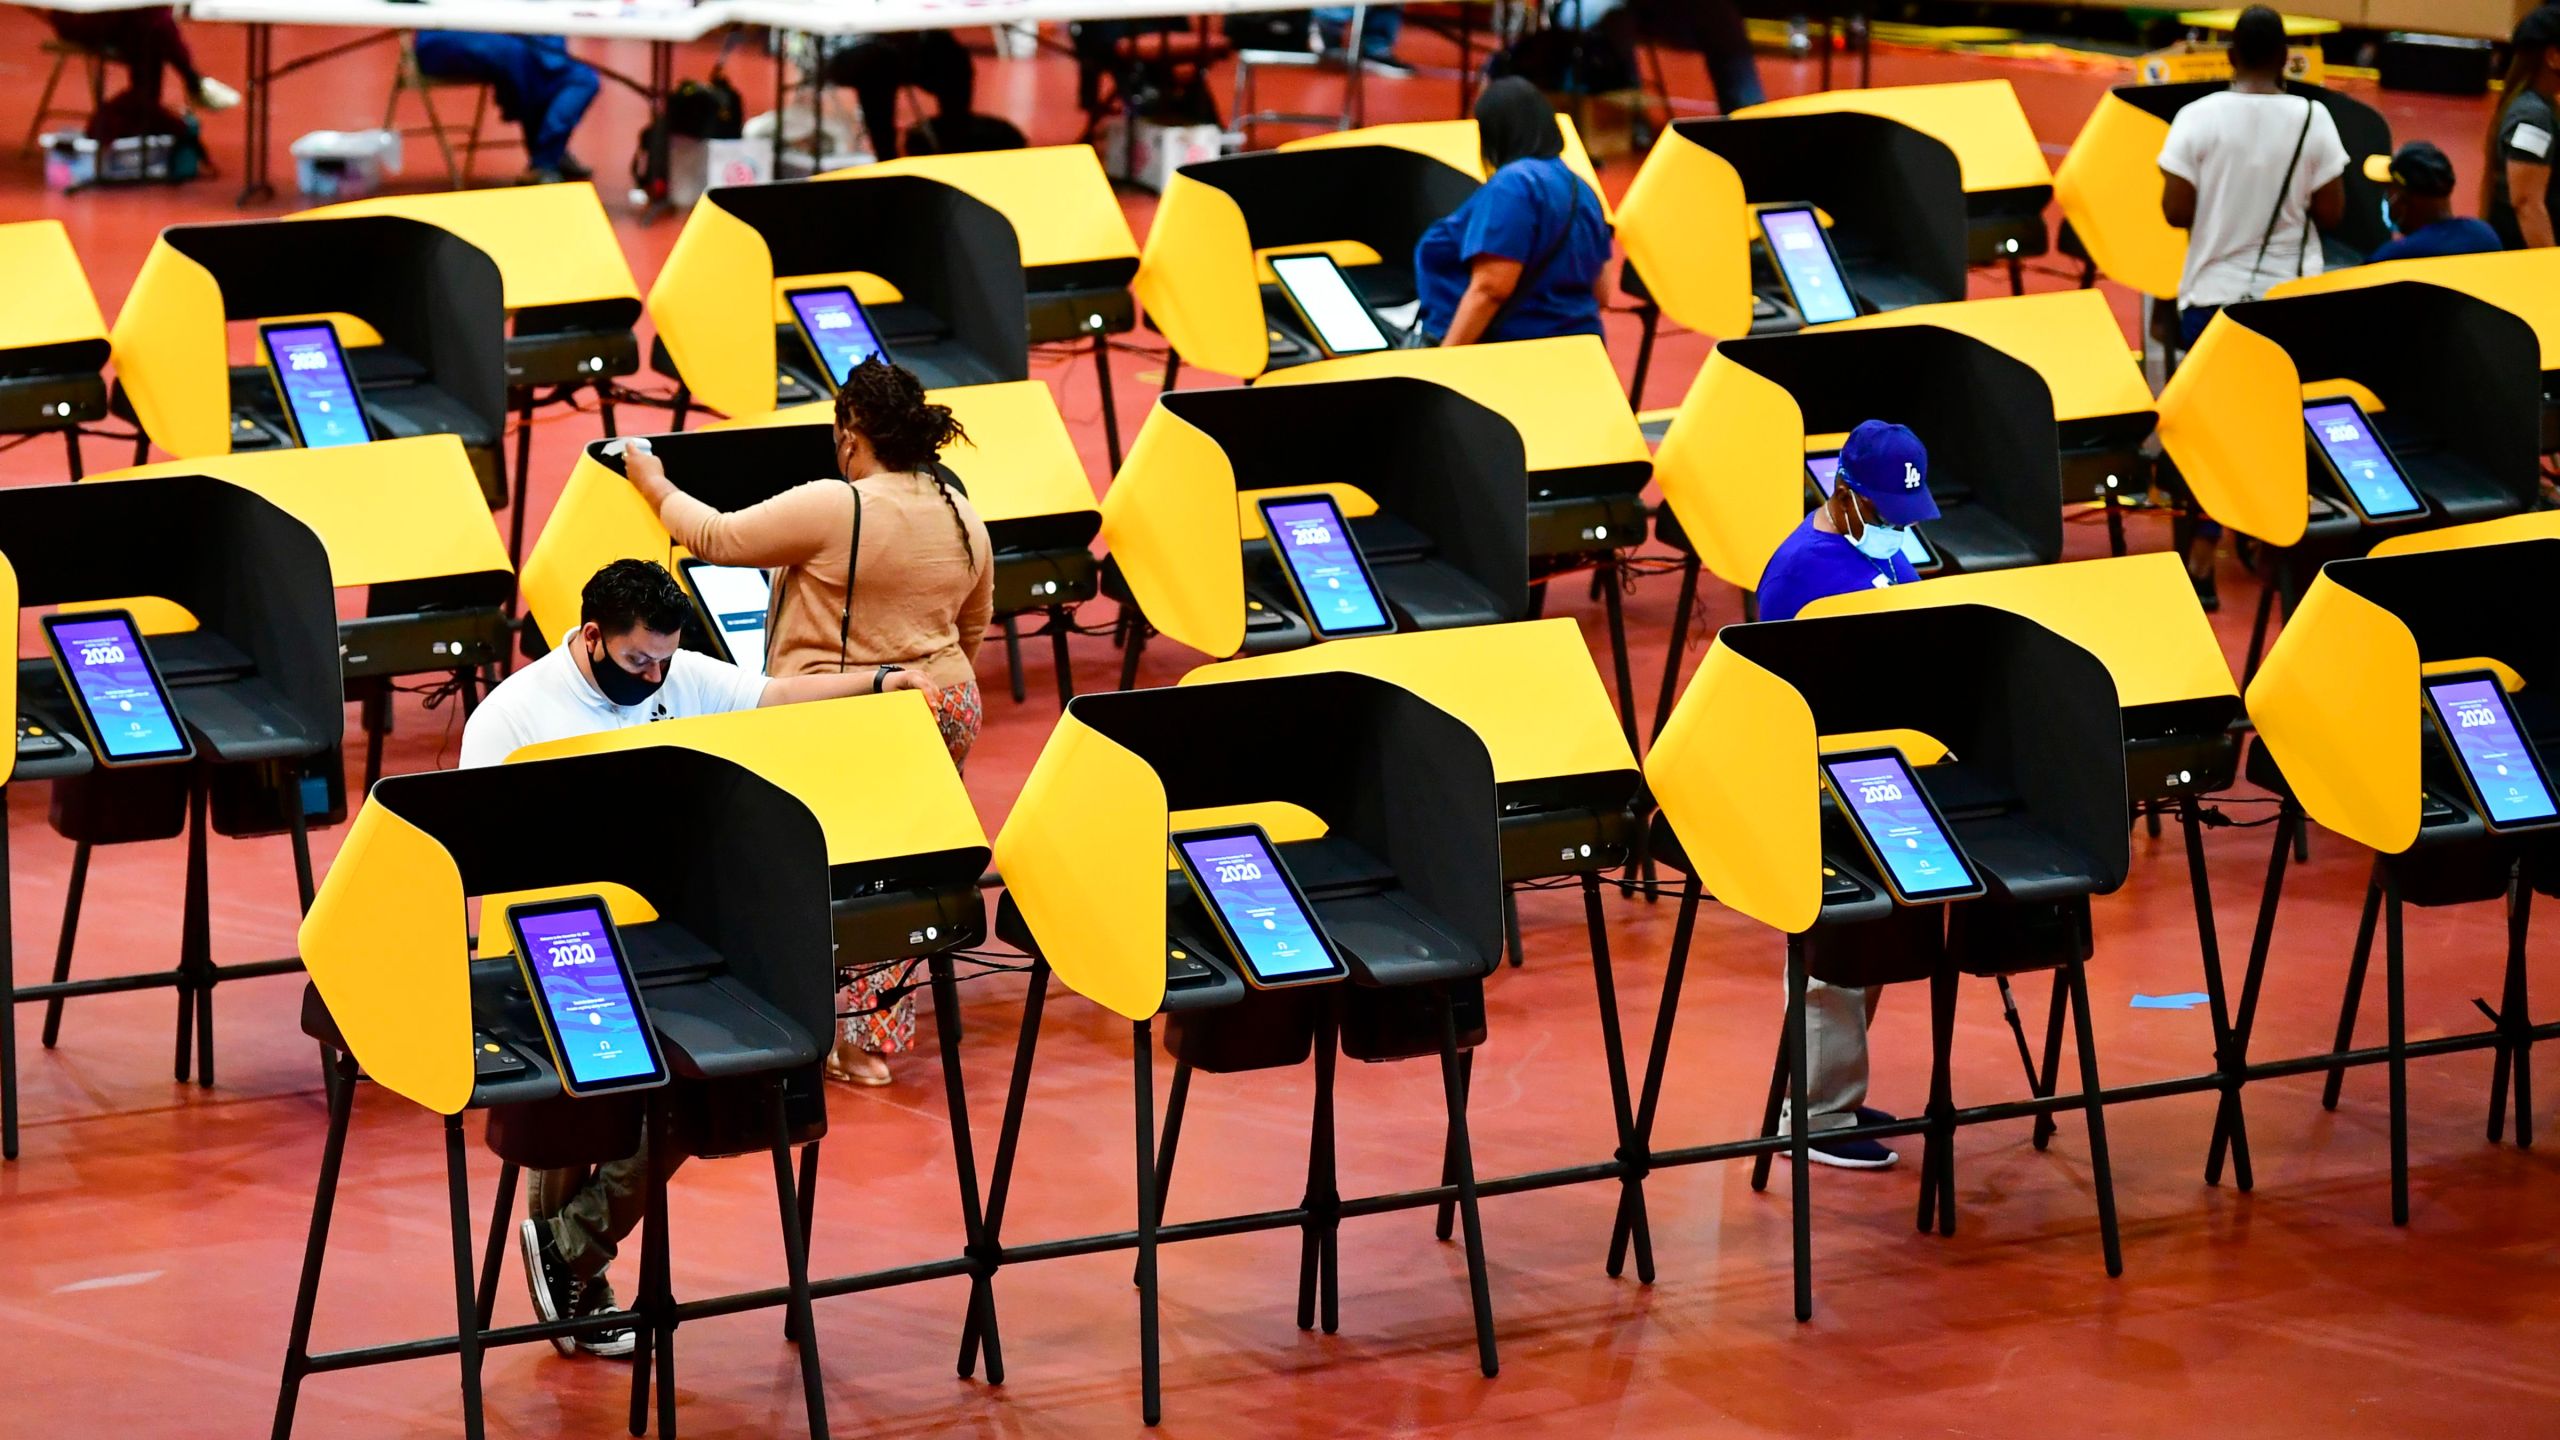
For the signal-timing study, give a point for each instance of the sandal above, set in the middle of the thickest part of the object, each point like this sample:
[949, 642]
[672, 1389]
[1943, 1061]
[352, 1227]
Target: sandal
[849, 1064]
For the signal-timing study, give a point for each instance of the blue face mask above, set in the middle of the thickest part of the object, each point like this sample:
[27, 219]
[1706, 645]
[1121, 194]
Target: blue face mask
[1880, 542]
[2388, 223]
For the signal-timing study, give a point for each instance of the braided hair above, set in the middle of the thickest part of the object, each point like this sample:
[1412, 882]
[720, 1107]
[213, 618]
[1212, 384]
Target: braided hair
[885, 404]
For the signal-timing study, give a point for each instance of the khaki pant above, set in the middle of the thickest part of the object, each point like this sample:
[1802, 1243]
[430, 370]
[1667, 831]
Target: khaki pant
[592, 1212]
[1835, 1053]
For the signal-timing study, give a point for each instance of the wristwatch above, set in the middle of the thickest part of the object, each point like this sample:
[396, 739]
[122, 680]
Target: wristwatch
[880, 678]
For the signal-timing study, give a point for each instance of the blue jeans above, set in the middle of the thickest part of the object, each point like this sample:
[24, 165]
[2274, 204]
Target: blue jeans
[1377, 34]
[538, 83]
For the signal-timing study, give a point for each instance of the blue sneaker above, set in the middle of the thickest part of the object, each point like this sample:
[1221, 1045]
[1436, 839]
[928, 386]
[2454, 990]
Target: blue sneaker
[1852, 1152]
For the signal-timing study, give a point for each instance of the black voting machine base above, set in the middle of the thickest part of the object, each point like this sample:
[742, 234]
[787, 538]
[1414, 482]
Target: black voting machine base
[2456, 604]
[737, 976]
[1985, 416]
[2035, 800]
[256, 684]
[963, 318]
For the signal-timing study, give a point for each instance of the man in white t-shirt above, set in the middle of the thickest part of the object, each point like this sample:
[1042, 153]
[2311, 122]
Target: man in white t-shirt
[2245, 172]
[620, 667]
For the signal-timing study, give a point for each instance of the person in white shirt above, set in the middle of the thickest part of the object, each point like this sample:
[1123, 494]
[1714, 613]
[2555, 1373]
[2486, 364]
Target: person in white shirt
[619, 668]
[2246, 172]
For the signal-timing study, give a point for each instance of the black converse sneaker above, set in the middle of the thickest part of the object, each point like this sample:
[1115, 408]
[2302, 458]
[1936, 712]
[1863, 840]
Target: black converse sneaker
[557, 1292]
[596, 1296]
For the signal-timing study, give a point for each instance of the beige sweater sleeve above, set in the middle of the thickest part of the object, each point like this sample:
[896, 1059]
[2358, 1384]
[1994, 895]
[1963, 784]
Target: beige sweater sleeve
[789, 529]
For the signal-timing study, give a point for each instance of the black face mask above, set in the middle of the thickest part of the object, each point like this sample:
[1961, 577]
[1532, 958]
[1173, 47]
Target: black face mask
[619, 685]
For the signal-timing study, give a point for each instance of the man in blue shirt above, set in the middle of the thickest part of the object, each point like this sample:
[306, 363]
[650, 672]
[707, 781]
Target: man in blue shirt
[2417, 203]
[1852, 542]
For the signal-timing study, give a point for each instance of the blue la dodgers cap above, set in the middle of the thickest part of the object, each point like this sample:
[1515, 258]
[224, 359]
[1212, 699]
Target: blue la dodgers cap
[1888, 465]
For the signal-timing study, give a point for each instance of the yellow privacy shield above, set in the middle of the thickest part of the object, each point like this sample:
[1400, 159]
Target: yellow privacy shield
[872, 768]
[2070, 336]
[1980, 120]
[49, 298]
[170, 354]
[2137, 613]
[2538, 525]
[1196, 280]
[1170, 520]
[1057, 196]
[599, 519]
[2525, 283]
[2232, 420]
[708, 306]
[385, 945]
[390, 511]
[2336, 703]
[1018, 461]
[553, 244]
[1083, 856]
[1529, 690]
[2109, 187]
[1731, 468]
[1562, 394]
[1735, 772]
[1456, 144]
[1687, 230]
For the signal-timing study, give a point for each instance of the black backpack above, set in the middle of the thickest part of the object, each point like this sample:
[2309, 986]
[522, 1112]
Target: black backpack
[703, 109]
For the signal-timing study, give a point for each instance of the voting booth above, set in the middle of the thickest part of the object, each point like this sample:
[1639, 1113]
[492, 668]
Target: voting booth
[419, 311]
[1403, 889]
[53, 342]
[404, 521]
[2109, 184]
[2524, 281]
[1588, 461]
[1432, 485]
[1364, 197]
[937, 270]
[1778, 799]
[2404, 708]
[1020, 471]
[1078, 256]
[1568, 786]
[2139, 615]
[2103, 410]
[569, 295]
[904, 855]
[732, 1004]
[1887, 202]
[238, 732]
[2007, 183]
[2322, 423]
[1733, 464]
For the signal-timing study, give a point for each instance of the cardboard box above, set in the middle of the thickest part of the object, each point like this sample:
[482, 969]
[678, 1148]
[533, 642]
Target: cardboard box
[695, 165]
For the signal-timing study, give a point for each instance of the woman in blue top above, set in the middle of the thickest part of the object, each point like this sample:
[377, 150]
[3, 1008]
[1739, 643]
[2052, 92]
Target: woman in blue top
[1523, 258]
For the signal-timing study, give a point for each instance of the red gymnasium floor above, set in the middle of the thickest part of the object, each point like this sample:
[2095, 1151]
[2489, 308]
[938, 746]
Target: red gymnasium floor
[149, 1235]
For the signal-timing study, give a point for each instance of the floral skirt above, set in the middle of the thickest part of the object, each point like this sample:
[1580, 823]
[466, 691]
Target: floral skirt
[891, 1029]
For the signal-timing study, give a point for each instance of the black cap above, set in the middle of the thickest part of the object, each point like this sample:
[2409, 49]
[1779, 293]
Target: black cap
[2422, 169]
[2542, 27]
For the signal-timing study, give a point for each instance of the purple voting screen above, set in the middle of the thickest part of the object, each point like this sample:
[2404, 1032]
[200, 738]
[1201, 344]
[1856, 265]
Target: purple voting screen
[1244, 881]
[2474, 717]
[105, 659]
[1887, 805]
[599, 1024]
[1316, 546]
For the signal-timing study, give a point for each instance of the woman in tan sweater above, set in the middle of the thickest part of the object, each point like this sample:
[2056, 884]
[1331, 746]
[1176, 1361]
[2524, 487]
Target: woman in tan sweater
[886, 569]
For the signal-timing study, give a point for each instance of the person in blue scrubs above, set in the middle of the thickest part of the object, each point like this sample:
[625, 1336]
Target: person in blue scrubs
[1524, 257]
[2417, 203]
[540, 86]
[1852, 542]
